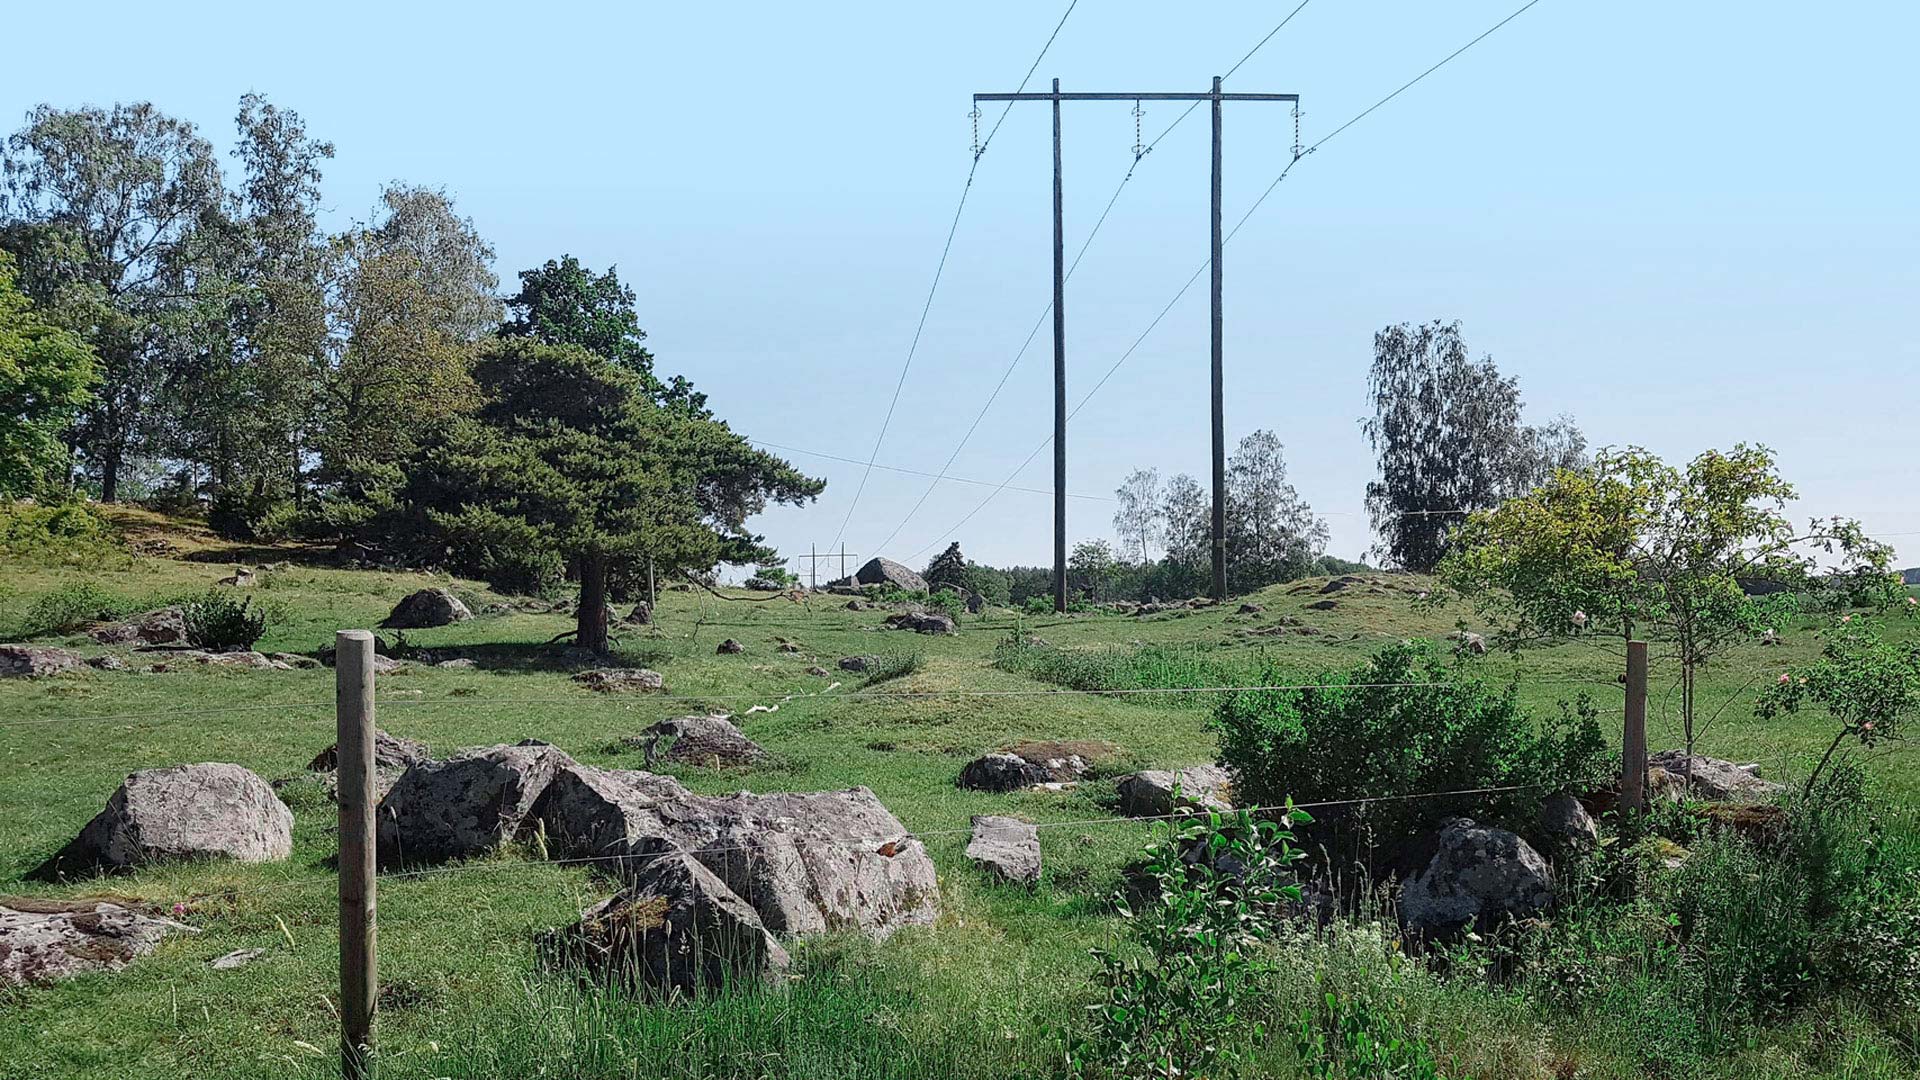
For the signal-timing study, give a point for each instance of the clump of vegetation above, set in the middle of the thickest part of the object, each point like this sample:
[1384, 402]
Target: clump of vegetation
[1144, 667]
[1186, 993]
[71, 607]
[948, 603]
[70, 533]
[1869, 686]
[893, 664]
[1408, 721]
[1346, 1037]
[219, 622]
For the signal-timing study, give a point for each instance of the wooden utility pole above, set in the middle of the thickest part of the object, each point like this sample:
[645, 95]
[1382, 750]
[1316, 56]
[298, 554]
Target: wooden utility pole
[353, 763]
[1060, 327]
[1633, 739]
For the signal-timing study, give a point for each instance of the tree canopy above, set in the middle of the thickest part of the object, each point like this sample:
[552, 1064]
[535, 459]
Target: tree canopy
[45, 374]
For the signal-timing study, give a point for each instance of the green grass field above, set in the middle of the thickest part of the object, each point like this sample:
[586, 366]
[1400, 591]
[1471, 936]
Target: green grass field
[988, 992]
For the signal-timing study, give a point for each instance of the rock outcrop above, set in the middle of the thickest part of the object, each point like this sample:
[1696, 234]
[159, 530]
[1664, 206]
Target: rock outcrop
[887, 572]
[37, 661]
[43, 941]
[1715, 780]
[713, 741]
[620, 680]
[922, 622]
[467, 805]
[162, 626]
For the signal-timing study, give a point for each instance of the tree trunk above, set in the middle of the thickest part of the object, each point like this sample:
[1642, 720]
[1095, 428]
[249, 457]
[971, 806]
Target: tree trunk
[590, 627]
[110, 476]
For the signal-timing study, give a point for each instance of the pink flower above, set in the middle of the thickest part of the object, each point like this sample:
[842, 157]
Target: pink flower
[1845, 619]
[1913, 600]
[1580, 618]
[1868, 726]
[1785, 678]
[179, 909]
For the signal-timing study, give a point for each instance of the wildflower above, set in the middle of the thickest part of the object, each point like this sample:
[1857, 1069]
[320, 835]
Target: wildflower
[1913, 601]
[1580, 619]
[179, 909]
[1785, 678]
[1845, 619]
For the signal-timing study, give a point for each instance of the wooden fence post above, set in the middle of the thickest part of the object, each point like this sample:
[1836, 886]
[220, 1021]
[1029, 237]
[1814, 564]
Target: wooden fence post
[354, 743]
[1633, 741]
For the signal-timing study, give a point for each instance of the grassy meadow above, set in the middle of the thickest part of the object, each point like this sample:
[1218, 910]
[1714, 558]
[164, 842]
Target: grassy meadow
[994, 990]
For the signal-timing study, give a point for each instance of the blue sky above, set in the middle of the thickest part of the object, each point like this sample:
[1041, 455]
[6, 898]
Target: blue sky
[1685, 224]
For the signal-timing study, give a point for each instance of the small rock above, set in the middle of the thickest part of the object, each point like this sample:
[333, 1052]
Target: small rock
[818, 672]
[729, 647]
[294, 660]
[621, 680]
[427, 608]
[1001, 772]
[1472, 642]
[238, 958]
[641, 615]
[1566, 826]
[922, 622]
[458, 663]
[1152, 793]
[240, 579]
[106, 662]
[858, 664]
[789, 647]
[251, 660]
[1251, 609]
[1323, 605]
[1006, 848]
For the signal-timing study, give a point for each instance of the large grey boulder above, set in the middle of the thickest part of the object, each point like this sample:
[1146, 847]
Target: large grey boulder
[42, 941]
[887, 572]
[1715, 780]
[209, 810]
[1006, 848]
[1477, 877]
[808, 862]
[1152, 793]
[621, 680]
[36, 661]
[700, 740]
[467, 805]
[675, 929]
[162, 626]
[427, 608]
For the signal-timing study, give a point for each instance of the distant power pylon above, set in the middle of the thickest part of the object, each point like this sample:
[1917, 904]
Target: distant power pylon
[813, 557]
[1060, 326]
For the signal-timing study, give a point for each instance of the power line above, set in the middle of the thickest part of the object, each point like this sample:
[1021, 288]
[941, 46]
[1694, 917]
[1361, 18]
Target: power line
[1140, 154]
[940, 269]
[1298, 157]
[919, 472]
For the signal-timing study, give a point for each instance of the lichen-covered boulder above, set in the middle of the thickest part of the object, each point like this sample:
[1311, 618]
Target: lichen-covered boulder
[161, 626]
[208, 810]
[427, 608]
[922, 622]
[37, 661]
[467, 805]
[808, 862]
[1565, 826]
[700, 740]
[1715, 780]
[729, 647]
[856, 664]
[1006, 848]
[675, 929]
[42, 941]
[392, 757]
[1477, 877]
[1161, 792]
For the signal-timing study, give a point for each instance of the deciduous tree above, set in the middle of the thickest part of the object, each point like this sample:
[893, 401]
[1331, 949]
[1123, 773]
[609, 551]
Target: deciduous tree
[45, 373]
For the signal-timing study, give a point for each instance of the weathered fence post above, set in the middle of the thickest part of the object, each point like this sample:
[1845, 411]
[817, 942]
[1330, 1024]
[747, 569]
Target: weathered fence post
[353, 742]
[1633, 741]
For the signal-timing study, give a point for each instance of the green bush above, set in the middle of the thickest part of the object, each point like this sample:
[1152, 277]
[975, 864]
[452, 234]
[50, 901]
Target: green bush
[887, 666]
[71, 532]
[71, 607]
[1345, 1037]
[220, 622]
[1187, 993]
[948, 603]
[241, 515]
[1408, 721]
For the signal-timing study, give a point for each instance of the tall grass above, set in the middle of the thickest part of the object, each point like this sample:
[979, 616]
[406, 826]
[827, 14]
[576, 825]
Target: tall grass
[1139, 667]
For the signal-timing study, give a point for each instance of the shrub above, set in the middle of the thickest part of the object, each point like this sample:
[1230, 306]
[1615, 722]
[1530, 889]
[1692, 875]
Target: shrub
[948, 603]
[70, 532]
[71, 607]
[1187, 995]
[220, 622]
[1408, 721]
[238, 515]
[886, 666]
[1345, 1037]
